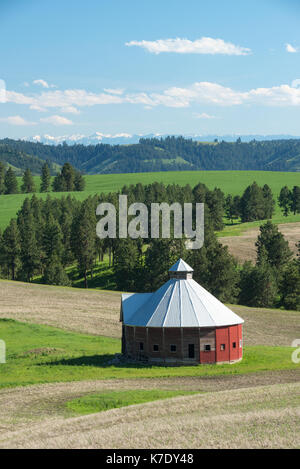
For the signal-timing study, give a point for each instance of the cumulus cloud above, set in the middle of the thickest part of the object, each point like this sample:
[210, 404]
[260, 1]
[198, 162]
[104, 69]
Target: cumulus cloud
[68, 101]
[291, 49]
[56, 120]
[43, 83]
[205, 45]
[16, 120]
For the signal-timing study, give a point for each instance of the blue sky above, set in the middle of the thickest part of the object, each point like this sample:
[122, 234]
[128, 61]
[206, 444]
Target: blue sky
[148, 66]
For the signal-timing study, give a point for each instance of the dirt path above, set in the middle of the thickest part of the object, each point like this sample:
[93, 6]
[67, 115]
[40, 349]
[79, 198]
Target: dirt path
[243, 246]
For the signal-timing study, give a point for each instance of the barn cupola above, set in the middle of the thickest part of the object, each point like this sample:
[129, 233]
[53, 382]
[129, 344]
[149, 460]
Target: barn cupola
[181, 270]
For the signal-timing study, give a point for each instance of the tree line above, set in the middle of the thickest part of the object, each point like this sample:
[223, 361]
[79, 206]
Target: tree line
[69, 179]
[162, 154]
[47, 236]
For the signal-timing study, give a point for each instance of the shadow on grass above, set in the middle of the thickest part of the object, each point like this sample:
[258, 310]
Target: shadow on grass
[105, 361]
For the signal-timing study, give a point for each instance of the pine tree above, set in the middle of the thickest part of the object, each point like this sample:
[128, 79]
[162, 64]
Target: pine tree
[52, 241]
[295, 200]
[79, 182]
[84, 238]
[45, 178]
[11, 247]
[127, 267]
[2, 176]
[59, 184]
[10, 182]
[289, 287]
[258, 285]
[28, 185]
[30, 251]
[55, 274]
[284, 200]
[68, 175]
[252, 204]
[269, 202]
[272, 245]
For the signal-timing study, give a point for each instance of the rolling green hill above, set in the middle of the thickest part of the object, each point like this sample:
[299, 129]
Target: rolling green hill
[233, 182]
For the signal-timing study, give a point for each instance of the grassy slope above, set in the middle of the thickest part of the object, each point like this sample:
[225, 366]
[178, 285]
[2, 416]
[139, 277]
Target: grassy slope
[42, 354]
[233, 182]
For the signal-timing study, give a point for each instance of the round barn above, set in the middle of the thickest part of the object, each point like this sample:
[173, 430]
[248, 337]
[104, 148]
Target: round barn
[180, 323]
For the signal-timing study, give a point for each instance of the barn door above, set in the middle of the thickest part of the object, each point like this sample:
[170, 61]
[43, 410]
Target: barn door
[191, 350]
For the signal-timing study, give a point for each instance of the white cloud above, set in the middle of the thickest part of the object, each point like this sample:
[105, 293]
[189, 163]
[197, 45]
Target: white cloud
[2, 91]
[56, 120]
[291, 49]
[203, 115]
[68, 101]
[117, 91]
[43, 83]
[70, 110]
[205, 45]
[16, 120]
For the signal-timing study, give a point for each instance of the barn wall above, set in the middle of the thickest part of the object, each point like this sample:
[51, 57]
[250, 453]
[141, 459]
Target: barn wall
[191, 336]
[182, 338]
[207, 337]
[227, 336]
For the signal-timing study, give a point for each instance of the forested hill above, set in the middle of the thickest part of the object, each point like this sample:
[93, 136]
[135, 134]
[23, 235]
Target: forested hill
[168, 154]
[19, 160]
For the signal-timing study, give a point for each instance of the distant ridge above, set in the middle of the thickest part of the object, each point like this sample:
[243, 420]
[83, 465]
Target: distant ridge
[153, 154]
[127, 139]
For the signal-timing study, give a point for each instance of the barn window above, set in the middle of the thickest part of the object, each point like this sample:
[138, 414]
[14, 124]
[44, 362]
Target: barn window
[141, 346]
[222, 346]
[155, 348]
[207, 348]
[233, 344]
[173, 348]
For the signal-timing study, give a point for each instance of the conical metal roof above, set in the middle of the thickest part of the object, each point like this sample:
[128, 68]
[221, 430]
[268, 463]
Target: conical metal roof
[181, 266]
[178, 303]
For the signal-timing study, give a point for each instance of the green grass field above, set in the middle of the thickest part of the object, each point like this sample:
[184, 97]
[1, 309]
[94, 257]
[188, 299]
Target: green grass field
[42, 354]
[91, 404]
[233, 182]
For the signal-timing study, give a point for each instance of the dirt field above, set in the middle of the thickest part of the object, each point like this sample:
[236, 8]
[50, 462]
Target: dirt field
[97, 312]
[243, 246]
[255, 417]
[91, 312]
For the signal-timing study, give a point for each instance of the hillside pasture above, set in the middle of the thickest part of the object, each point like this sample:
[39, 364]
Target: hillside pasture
[230, 182]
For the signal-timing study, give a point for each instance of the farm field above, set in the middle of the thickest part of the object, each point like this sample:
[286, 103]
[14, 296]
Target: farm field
[255, 417]
[61, 344]
[233, 182]
[242, 244]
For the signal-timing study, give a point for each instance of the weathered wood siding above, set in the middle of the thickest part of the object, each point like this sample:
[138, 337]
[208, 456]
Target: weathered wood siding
[220, 341]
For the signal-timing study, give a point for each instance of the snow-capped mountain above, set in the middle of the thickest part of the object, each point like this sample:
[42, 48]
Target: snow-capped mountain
[126, 138]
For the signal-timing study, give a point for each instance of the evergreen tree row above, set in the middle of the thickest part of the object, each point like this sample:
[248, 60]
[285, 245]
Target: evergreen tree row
[67, 180]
